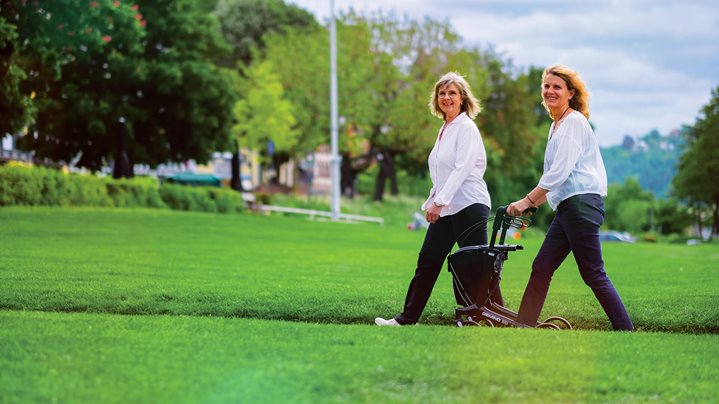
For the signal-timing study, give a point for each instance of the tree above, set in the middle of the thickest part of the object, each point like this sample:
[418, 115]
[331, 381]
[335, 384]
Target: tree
[629, 206]
[263, 115]
[93, 63]
[699, 164]
[245, 23]
[300, 61]
[16, 108]
[39, 40]
[671, 217]
[187, 99]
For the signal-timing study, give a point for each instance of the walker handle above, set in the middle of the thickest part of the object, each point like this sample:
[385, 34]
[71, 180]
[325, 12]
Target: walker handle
[502, 221]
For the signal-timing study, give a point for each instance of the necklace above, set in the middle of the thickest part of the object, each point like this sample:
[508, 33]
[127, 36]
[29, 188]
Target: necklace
[556, 124]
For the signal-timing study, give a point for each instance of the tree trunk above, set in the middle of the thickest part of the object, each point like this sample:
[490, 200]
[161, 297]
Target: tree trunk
[715, 222]
[698, 217]
[348, 177]
[393, 187]
[385, 160]
[122, 168]
[236, 180]
[379, 186]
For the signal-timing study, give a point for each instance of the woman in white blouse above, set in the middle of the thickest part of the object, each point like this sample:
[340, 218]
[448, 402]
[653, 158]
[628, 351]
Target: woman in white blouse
[573, 184]
[458, 198]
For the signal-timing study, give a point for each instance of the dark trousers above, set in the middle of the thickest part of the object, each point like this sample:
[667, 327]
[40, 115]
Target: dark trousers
[438, 242]
[575, 228]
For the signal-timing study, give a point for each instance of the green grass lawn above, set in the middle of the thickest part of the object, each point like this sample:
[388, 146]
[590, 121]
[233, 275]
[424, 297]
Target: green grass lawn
[255, 308]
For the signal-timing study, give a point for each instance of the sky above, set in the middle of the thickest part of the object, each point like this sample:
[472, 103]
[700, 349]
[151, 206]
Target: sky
[648, 64]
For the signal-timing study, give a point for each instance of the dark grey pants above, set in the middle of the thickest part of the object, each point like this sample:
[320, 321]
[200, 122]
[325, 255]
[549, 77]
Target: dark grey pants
[438, 242]
[575, 228]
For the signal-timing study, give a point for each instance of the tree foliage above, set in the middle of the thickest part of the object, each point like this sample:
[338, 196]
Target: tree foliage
[86, 64]
[187, 99]
[696, 180]
[263, 114]
[245, 23]
[628, 206]
[43, 38]
[652, 158]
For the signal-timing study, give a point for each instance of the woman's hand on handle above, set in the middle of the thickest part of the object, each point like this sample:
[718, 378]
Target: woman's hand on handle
[534, 198]
[517, 208]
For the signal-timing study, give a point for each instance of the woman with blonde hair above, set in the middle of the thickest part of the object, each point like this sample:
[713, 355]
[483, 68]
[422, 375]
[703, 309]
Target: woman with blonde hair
[573, 184]
[458, 198]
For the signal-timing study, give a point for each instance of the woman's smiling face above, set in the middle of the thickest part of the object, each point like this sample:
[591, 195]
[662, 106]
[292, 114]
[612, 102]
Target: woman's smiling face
[450, 100]
[555, 93]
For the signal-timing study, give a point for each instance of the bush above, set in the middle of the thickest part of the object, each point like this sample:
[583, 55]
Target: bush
[182, 197]
[263, 198]
[133, 193]
[20, 185]
[83, 190]
[226, 200]
[44, 186]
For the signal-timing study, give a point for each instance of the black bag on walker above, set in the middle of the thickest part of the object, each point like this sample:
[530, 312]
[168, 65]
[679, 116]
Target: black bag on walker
[476, 272]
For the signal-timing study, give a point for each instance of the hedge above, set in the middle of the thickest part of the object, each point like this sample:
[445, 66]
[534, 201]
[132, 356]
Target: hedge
[21, 185]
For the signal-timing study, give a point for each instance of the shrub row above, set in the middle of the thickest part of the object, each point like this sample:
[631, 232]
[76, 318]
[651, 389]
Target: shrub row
[44, 186]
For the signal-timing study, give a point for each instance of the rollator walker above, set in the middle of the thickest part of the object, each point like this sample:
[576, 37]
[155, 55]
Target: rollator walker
[477, 272]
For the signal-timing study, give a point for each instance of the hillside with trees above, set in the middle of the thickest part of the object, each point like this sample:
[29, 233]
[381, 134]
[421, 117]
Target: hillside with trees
[652, 159]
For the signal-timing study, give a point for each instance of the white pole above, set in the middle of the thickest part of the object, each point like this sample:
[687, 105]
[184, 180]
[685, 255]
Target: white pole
[335, 161]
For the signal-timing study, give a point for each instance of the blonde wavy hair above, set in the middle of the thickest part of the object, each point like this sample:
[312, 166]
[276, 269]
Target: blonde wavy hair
[470, 104]
[580, 99]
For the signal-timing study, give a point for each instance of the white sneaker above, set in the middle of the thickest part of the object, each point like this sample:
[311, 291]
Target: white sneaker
[391, 322]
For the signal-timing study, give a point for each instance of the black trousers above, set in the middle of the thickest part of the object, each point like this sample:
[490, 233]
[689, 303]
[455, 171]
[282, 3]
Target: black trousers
[575, 228]
[438, 242]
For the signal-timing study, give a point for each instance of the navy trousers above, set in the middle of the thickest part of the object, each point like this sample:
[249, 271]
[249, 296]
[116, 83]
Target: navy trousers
[575, 228]
[438, 242]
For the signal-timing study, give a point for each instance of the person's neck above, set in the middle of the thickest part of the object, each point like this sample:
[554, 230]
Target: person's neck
[448, 119]
[559, 113]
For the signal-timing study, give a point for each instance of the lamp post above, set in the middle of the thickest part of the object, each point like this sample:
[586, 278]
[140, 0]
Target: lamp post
[335, 159]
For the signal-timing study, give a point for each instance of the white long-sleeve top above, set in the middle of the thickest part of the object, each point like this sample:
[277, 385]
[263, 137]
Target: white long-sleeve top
[456, 166]
[572, 162]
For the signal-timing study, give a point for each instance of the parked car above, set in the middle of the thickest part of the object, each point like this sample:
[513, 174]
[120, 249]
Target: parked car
[616, 236]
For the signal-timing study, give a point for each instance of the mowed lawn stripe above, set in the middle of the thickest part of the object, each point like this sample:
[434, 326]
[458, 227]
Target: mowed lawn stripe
[78, 357]
[135, 261]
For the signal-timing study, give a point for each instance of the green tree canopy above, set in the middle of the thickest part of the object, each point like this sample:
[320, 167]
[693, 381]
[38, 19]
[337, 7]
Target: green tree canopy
[39, 40]
[150, 62]
[187, 98]
[263, 114]
[696, 180]
[244, 23]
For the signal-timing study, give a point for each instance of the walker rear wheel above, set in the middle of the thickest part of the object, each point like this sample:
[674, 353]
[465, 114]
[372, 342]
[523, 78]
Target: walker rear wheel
[560, 322]
[550, 326]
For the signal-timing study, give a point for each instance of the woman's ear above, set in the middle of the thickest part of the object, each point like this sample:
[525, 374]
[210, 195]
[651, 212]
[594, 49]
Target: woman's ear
[571, 93]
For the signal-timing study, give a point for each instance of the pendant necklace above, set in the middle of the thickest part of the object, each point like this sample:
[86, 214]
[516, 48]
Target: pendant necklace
[554, 128]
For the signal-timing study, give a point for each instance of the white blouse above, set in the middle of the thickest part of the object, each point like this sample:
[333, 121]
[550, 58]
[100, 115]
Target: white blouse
[572, 162]
[456, 166]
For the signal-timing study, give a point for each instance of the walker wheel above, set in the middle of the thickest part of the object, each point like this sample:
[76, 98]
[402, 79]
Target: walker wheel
[485, 322]
[550, 326]
[561, 322]
[469, 322]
